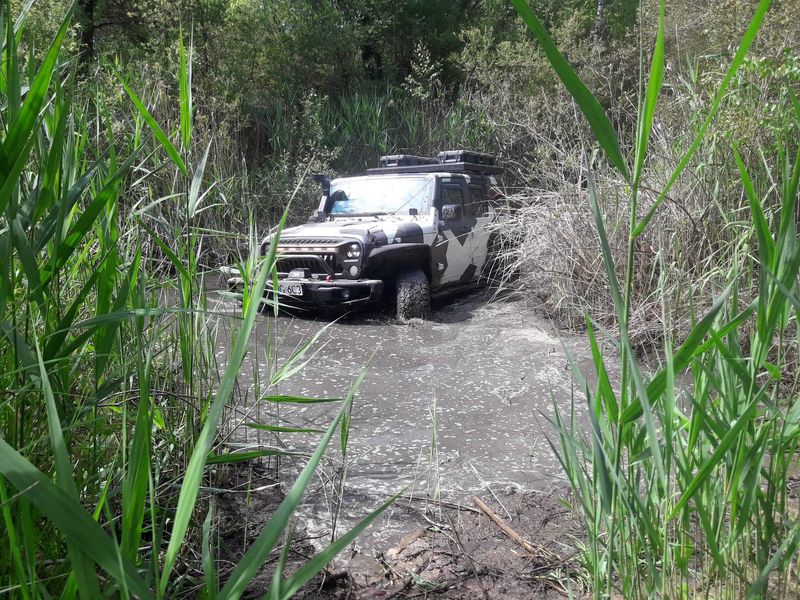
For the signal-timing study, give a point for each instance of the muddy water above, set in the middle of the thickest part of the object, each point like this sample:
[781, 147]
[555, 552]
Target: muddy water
[449, 408]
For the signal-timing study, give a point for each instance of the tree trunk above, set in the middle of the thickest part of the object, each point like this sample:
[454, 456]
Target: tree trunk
[600, 26]
[87, 21]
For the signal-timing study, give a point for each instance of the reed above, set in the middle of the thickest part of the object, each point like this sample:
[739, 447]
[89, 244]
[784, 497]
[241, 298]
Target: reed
[683, 477]
[112, 396]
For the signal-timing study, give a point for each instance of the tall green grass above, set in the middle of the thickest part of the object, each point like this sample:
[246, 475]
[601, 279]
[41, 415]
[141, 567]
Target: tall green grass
[684, 475]
[111, 394]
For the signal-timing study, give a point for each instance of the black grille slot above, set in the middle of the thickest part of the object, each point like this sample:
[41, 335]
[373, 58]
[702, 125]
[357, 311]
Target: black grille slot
[322, 264]
[309, 241]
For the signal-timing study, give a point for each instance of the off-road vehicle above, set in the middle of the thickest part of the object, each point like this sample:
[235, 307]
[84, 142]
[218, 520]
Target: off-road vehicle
[413, 227]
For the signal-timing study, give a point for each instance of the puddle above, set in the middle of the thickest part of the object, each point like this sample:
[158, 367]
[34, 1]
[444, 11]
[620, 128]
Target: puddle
[448, 407]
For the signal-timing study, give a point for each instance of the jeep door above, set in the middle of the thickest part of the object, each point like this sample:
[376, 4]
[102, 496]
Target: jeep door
[451, 253]
[480, 215]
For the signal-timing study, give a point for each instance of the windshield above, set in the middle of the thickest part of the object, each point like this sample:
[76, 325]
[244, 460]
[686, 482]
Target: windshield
[379, 195]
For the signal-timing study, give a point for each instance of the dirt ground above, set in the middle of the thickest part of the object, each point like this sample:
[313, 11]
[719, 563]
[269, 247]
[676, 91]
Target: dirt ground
[462, 552]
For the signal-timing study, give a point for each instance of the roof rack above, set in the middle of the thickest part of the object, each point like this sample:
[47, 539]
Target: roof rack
[449, 161]
[406, 160]
[465, 156]
[453, 167]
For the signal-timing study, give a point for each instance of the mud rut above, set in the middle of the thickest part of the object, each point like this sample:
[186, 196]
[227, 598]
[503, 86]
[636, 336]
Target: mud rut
[450, 409]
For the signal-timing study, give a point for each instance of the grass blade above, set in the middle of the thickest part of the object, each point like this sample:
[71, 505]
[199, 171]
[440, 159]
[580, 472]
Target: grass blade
[197, 180]
[296, 580]
[713, 461]
[185, 77]
[266, 540]
[84, 571]
[651, 97]
[236, 457]
[21, 129]
[60, 508]
[681, 358]
[194, 471]
[158, 133]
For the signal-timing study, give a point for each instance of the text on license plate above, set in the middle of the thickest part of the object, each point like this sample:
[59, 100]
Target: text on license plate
[292, 289]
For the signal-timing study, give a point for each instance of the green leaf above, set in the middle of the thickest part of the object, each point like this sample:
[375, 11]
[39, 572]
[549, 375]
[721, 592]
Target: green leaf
[773, 370]
[731, 436]
[158, 133]
[236, 457]
[173, 258]
[59, 334]
[606, 392]
[297, 361]
[62, 208]
[84, 224]
[210, 575]
[19, 134]
[197, 180]
[280, 429]
[185, 77]
[11, 176]
[29, 264]
[590, 107]
[266, 540]
[608, 257]
[787, 548]
[299, 400]
[69, 516]
[765, 241]
[651, 98]
[681, 358]
[84, 571]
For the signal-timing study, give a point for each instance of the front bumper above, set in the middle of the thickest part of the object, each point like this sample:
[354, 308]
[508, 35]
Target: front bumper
[321, 293]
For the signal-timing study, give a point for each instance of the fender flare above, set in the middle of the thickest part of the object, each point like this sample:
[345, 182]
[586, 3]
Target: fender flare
[385, 262]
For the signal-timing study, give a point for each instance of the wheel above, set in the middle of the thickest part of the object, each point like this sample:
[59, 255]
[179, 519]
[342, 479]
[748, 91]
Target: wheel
[413, 296]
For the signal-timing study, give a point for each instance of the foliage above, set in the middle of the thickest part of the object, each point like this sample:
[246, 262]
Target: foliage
[685, 489]
[112, 393]
[282, 88]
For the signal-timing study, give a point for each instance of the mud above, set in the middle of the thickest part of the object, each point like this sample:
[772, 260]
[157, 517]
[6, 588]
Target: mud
[468, 556]
[450, 408]
[459, 553]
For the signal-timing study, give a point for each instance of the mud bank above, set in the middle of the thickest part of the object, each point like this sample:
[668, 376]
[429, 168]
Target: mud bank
[522, 545]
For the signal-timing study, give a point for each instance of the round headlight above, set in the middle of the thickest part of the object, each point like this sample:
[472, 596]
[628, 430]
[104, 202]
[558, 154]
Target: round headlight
[353, 251]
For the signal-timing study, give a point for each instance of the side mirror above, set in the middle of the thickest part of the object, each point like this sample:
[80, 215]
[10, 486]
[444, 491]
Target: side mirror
[325, 183]
[451, 212]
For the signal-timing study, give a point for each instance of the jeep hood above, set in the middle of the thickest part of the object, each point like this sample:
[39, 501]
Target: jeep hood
[375, 230]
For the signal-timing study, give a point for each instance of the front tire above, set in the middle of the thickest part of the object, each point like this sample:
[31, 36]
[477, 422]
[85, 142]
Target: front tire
[413, 296]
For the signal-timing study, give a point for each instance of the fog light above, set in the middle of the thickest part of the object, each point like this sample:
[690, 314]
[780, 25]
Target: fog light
[353, 271]
[345, 294]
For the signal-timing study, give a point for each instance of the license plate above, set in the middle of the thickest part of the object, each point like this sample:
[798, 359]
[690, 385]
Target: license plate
[290, 289]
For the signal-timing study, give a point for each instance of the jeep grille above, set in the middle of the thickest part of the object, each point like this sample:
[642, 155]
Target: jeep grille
[317, 264]
[309, 241]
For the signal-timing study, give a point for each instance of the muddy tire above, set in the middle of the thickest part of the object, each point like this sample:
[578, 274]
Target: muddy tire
[413, 296]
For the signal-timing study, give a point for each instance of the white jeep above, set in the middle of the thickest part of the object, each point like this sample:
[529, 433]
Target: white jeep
[410, 228]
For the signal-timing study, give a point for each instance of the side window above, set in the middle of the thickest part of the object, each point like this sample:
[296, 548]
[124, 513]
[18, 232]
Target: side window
[452, 193]
[480, 208]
